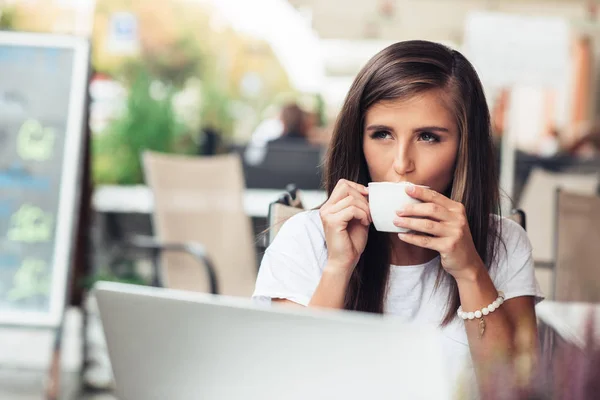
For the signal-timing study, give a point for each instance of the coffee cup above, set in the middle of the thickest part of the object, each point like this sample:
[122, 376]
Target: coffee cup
[385, 198]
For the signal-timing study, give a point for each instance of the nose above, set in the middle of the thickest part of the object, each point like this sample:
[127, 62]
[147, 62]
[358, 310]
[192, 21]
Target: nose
[403, 160]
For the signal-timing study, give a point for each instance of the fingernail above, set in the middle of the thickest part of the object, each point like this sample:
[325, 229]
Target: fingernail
[400, 210]
[410, 189]
[397, 221]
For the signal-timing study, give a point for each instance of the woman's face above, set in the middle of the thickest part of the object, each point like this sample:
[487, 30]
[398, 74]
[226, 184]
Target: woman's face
[414, 140]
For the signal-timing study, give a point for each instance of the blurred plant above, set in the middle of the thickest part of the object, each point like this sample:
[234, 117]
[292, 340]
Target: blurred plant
[148, 123]
[215, 107]
[31, 281]
[126, 274]
[179, 40]
[320, 110]
[565, 372]
[8, 15]
[166, 43]
[174, 63]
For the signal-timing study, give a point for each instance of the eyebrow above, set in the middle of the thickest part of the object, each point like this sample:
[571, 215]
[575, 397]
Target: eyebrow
[420, 129]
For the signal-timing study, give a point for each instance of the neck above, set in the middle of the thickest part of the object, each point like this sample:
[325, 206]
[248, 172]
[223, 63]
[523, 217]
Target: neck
[407, 254]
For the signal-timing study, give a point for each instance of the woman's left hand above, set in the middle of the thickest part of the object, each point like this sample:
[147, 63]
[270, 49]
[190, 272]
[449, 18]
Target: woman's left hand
[445, 229]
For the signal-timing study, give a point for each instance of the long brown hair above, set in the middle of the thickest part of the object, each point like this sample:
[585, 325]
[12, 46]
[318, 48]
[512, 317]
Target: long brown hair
[398, 72]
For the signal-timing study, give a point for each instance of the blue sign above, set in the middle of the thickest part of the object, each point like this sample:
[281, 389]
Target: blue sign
[123, 33]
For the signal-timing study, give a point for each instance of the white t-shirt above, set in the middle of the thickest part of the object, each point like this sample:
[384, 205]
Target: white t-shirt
[293, 264]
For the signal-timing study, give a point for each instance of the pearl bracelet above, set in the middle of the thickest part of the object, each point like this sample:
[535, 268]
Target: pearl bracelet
[479, 314]
[484, 311]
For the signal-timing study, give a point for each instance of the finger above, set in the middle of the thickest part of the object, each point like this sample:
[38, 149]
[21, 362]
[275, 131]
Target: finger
[345, 188]
[427, 242]
[429, 196]
[349, 213]
[429, 210]
[360, 200]
[351, 200]
[357, 186]
[423, 225]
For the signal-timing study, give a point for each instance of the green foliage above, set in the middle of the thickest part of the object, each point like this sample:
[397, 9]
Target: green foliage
[172, 42]
[30, 281]
[107, 275]
[8, 16]
[215, 109]
[149, 123]
[320, 110]
[176, 63]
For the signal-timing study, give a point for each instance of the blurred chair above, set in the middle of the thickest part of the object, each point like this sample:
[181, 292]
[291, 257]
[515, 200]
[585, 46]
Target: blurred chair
[519, 217]
[198, 210]
[538, 201]
[544, 276]
[561, 163]
[577, 270]
[288, 205]
[285, 163]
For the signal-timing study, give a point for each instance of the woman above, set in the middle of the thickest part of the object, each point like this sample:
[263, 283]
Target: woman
[417, 113]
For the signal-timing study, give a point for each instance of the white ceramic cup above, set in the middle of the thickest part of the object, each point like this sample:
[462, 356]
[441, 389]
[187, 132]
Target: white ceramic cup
[385, 198]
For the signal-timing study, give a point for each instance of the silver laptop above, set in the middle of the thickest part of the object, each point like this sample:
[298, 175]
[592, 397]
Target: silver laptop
[168, 344]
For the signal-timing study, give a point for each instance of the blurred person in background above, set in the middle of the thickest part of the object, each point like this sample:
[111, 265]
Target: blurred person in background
[268, 129]
[295, 125]
[587, 140]
[415, 113]
[294, 157]
[317, 132]
[291, 128]
[550, 144]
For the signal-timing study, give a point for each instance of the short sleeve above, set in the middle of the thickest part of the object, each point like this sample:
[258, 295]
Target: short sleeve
[292, 265]
[515, 273]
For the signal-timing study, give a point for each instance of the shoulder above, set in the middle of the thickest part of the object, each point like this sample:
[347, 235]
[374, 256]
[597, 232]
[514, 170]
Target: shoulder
[308, 217]
[513, 240]
[305, 223]
[512, 269]
[292, 265]
[300, 234]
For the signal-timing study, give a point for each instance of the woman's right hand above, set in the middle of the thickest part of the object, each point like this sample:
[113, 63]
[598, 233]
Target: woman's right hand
[346, 219]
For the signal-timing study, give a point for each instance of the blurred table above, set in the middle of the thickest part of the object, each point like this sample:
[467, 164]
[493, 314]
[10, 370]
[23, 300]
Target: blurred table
[138, 200]
[570, 320]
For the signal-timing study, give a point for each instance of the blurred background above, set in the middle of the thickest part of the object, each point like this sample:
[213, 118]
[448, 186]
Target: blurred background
[175, 124]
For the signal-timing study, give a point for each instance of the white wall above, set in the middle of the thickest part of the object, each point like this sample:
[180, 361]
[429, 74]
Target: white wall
[424, 19]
